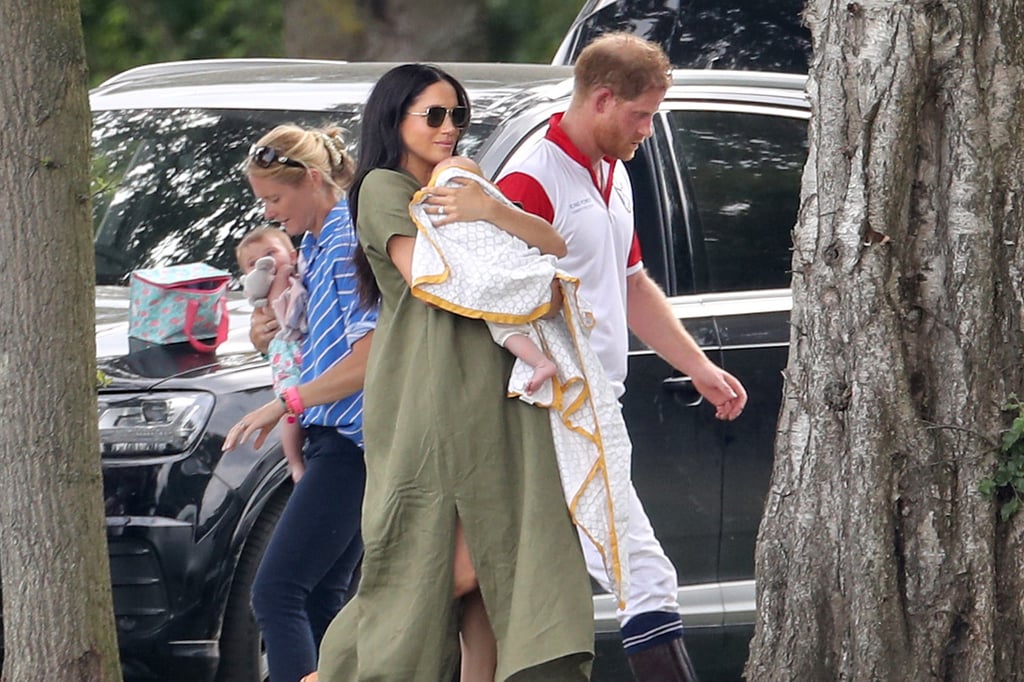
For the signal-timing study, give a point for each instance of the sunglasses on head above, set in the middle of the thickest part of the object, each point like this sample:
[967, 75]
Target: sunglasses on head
[264, 156]
[435, 116]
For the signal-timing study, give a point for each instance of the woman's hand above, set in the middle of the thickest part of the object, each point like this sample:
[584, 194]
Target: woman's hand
[465, 201]
[260, 421]
[469, 201]
[262, 328]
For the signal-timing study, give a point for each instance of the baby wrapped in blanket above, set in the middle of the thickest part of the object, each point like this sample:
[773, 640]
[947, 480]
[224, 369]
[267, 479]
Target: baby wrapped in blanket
[476, 269]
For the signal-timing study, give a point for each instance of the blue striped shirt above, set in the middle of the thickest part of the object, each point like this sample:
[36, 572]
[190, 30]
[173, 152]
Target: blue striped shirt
[335, 317]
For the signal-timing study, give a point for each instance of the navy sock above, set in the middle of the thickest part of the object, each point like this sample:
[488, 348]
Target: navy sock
[650, 629]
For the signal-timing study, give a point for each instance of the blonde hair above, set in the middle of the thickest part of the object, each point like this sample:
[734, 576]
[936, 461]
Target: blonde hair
[627, 65]
[260, 234]
[320, 148]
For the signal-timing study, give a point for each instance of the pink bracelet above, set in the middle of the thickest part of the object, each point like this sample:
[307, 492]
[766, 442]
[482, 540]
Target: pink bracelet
[292, 400]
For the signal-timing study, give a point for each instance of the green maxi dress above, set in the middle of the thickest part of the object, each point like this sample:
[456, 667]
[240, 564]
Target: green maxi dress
[442, 439]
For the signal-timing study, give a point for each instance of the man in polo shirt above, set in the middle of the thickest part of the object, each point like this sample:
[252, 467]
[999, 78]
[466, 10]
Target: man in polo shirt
[575, 179]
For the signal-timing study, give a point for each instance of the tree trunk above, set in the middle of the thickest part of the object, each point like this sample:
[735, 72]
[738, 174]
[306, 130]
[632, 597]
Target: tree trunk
[57, 612]
[877, 557]
[386, 30]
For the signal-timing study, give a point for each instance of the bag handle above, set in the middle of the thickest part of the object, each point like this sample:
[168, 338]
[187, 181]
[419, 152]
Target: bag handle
[191, 308]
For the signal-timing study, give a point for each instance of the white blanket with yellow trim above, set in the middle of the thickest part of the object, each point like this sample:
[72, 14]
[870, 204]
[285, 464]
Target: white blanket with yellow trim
[477, 270]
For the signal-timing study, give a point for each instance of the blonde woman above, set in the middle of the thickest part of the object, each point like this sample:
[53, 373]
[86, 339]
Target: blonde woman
[300, 176]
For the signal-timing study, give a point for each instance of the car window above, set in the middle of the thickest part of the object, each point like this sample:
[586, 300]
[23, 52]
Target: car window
[767, 35]
[652, 207]
[743, 173]
[167, 184]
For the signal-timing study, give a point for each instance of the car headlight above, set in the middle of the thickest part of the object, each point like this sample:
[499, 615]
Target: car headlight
[152, 424]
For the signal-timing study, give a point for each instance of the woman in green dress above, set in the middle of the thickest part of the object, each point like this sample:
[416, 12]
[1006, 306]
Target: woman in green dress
[445, 447]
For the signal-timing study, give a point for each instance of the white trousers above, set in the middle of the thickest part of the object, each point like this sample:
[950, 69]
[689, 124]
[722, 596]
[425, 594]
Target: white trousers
[652, 577]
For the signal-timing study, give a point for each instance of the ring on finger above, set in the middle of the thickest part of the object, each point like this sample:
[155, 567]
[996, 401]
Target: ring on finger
[440, 210]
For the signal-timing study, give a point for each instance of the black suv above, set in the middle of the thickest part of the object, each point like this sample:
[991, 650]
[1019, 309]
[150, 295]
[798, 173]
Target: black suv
[767, 35]
[717, 188]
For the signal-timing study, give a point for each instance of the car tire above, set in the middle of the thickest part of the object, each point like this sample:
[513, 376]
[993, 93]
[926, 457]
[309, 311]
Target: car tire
[242, 656]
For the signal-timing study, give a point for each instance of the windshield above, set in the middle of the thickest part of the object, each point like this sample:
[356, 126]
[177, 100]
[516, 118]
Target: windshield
[767, 35]
[167, 186]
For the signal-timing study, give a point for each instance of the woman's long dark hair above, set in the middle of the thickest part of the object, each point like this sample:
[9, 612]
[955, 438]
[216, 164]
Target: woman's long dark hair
[380, 140]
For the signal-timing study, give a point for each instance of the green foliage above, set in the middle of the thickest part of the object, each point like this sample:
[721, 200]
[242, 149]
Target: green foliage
[1006, 485]
[528, 30]
[120, 34]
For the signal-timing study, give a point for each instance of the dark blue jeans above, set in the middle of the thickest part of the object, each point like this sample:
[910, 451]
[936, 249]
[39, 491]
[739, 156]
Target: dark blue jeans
[304, 577]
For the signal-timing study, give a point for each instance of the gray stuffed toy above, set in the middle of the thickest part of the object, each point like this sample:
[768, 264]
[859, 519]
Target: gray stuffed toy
[256, 285]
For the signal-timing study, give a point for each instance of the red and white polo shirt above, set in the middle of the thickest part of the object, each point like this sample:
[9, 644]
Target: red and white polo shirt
[554, 181]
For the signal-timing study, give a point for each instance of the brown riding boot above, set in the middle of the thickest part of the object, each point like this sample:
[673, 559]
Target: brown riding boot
[667, 662]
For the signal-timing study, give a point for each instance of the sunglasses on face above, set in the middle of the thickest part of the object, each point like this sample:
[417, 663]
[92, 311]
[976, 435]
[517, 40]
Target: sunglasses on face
[264, 156]
[435, 116]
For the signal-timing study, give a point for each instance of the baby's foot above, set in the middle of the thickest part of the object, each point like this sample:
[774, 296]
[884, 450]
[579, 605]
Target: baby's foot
[543, 371]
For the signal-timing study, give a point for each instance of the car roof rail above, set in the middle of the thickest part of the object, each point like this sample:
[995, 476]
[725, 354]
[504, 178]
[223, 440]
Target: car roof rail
[163, 69]
[739, 78]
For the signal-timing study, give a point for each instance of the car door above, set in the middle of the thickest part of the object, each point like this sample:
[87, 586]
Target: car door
[742, 165]
[677, 456]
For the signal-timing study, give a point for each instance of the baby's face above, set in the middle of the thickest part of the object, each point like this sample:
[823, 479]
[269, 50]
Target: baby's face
[283, 256]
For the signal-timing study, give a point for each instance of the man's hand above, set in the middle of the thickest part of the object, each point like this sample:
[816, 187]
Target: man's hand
[652, 320]
[722, 390]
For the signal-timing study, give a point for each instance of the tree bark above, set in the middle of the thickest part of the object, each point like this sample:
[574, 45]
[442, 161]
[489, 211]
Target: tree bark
[386, 30]
[57, 613]
[877, 557]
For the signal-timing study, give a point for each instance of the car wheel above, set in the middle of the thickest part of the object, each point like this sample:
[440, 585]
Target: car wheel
[243, 657]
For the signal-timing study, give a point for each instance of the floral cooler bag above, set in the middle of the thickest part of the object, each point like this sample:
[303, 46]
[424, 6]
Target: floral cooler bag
[179, 303]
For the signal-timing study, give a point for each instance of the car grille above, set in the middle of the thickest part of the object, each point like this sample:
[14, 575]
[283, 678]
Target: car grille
[140, 596]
